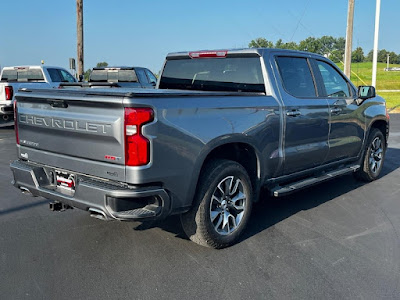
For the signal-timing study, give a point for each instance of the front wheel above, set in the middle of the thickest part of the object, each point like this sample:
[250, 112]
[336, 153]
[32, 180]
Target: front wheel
[221, 206]
[374, 155]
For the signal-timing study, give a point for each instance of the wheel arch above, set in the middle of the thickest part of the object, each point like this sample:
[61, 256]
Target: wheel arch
[239, 150]
[376, 117]
[381, 124]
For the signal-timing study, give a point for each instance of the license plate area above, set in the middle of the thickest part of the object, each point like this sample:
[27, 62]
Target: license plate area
[65, 182]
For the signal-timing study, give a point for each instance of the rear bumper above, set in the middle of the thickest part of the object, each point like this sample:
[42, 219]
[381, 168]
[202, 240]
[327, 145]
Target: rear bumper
[106, 199]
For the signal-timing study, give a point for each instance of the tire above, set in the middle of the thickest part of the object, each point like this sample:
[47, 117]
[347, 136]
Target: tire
[374, 155]
[221, 207]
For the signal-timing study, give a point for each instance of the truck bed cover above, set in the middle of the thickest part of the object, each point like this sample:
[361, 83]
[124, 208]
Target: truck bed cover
[131, 93]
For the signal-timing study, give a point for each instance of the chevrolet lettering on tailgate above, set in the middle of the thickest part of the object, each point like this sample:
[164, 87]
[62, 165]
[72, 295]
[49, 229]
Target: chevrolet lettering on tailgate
[58, 123]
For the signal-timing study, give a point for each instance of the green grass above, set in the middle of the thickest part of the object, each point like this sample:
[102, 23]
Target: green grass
[362, 75]
[384, 80]
[392, 100]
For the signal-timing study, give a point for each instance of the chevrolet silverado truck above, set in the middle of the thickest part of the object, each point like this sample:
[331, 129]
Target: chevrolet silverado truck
[14, 78]
[220, 127]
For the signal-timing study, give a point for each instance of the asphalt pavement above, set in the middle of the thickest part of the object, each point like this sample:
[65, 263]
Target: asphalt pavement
[337, 240]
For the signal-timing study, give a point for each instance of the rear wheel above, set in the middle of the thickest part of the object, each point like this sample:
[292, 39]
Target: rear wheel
[374, 155]
[221, 207]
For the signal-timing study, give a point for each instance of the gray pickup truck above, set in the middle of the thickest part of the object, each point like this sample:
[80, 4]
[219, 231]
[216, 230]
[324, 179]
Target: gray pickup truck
[220, 127]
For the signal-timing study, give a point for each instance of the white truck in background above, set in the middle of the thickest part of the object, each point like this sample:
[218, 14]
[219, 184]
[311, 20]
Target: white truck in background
[14, 78]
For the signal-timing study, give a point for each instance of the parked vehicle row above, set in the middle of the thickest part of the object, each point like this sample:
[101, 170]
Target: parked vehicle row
[41, 77]
[219, 127]
[124, 77]
[14, 78]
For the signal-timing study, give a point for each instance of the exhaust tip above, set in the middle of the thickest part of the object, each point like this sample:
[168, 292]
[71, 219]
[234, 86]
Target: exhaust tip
[98, 214]
[25, 191]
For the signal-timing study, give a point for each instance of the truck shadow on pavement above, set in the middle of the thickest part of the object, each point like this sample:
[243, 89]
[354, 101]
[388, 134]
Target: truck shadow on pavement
[270, 211]
[23, 207]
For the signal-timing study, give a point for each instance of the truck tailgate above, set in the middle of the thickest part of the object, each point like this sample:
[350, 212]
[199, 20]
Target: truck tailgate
[73, 131]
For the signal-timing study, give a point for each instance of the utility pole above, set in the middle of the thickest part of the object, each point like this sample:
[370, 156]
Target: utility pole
[376, 37]
[349, 39]
[79, 26]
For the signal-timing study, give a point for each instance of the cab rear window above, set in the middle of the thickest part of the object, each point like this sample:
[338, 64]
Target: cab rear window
[214, 74]
[113, 76]
[24, 74]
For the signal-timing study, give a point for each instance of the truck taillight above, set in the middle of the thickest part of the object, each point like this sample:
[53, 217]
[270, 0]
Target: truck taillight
[9, 92]
[16, 122]
[137, 146]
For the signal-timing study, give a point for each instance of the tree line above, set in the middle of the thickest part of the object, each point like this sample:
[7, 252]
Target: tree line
[327, 45]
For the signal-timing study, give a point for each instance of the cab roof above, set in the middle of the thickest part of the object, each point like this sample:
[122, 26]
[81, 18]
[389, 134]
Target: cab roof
[243, 52]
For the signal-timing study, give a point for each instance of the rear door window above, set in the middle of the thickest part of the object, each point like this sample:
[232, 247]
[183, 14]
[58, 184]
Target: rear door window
[296, 76]
[142, 76]
[54, 75]
[239, 74]
[151, 77]
[66, 77]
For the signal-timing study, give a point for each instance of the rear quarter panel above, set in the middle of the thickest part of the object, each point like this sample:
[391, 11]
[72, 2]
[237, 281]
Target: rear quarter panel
[188, 129]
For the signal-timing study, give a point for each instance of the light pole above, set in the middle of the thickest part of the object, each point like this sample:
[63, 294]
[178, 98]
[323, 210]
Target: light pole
[376, 37]
[388, 58]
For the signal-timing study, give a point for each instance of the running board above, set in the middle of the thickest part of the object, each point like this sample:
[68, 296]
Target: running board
[280, 191]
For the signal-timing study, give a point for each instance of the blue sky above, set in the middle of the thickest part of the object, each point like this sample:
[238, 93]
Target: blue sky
[141, 33]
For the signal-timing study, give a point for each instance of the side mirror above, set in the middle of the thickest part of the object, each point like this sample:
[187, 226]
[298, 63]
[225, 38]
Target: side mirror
[366, 92]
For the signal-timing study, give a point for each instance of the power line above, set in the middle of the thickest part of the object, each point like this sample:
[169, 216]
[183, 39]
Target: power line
[298, 23]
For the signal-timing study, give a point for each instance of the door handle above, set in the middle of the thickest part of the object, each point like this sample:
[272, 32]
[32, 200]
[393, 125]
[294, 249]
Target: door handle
[336, 110]
[293, 113]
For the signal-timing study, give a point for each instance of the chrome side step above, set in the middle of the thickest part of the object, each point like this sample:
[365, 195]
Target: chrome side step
[284, 190]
